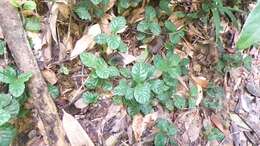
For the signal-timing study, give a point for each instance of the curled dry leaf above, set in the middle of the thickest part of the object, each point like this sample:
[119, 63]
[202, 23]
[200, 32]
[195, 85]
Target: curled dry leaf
[86, 41]
[140, 123]
[74, 131]
[127, 58]
[201, 81]
[50, 76]
[53, 20]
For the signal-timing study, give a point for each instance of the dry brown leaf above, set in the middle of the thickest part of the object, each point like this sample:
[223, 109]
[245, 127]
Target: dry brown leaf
[127, 58]
[74, 131]
[80, 104]
[104, 24]
[201, 81]
[200, 95]
[64, 10]
[140, 123]
[1, 33]
[113, 139]
[50, 76]
[86, 41]
[216, 121]
[136, 15]
[237, 120]
[110, 5]
[53, 20]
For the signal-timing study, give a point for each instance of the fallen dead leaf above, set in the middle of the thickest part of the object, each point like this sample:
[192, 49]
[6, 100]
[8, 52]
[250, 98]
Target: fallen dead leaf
[1, 33]
[200, 95]
[128, 58]
[86, 41]
[80, 104]
[201, 81]
[110, 5]
[216, 121]
[74, 131]
[53, 20]
[237, 120]
[113, 139]
[50, 76]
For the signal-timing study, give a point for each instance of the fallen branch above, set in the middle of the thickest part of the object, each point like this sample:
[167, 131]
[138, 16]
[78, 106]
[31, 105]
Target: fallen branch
[19, 46]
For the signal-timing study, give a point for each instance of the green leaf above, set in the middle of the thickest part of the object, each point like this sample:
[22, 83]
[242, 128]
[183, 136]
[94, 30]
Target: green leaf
[143, 26]
[160, 63]
[7, 75]
[173, 59]
[216, 21]
[124, 3]
[103, 72]
[54, 91]
[140, 72]
[7, 134]
[125, 72]
[155, 28]
[192, 103]
[170, 26]
[146, 108]
[16, 88]
[113, 71]
[169, 104]
[89, 60]
[96, 2]
[29, 5]
[101, 38]
[216, 92]
[142, 93]
[158, 86]
[117, 100]
[129, 93]
[166, 127]
[24, 77]
[122, 47]
[165, 6]
[89, 97]
[13, 108]
[82, 12]
[4, 116]
[174, 72]
[93, 81]
[107, 86]
[215, 134]
[172, 82]
[179, 102]
[2, 47]
[160, 140]
[113, 41]
[150, 13]
[121, 88]
[33, 24]
[64, 70]
[175, 38]
[117, 24]
[193, 91]
[5, 99]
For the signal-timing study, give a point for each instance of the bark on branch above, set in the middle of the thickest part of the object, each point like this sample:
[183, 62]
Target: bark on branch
[19, 46]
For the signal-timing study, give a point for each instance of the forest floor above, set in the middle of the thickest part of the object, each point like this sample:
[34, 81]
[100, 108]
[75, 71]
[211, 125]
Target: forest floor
[219, 86]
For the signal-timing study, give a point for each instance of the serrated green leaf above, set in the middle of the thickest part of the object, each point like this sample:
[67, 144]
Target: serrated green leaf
[160, 140]
[117, 24]
[29, 5]
[4, 116]
[158, 86]
[89, 60]
[140, 72]
[33, 24]
[179, 102]
[170, 26]
[216, 21]
[150, 13]
[169, 104]
[250, 31]
[125, 72]
[89, 97]
[16, 88]
[166, 127]
[64, 70]
[93, 81]
[129, 93]
[13, 108]
[193, 91]
[5, 99]
[155, 28]
[124, 3]
[160, 63]
[15, 3]
[142, 93]
[7, 75]
[143, 26]
[2, 47]
[82, 12]
[121, 88]
[172, 82]
[146, 109]
[173, 59]
[103, 72]
[215, 134]
[192, 103]
[122, 47]
[24, 77]
[113, 41]
[174, 72]
[107, 86]
[54, 91]
[7, 134]
[175, 38]
[96, 2]
[113, 71]
[164, 5]
[101, 38]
